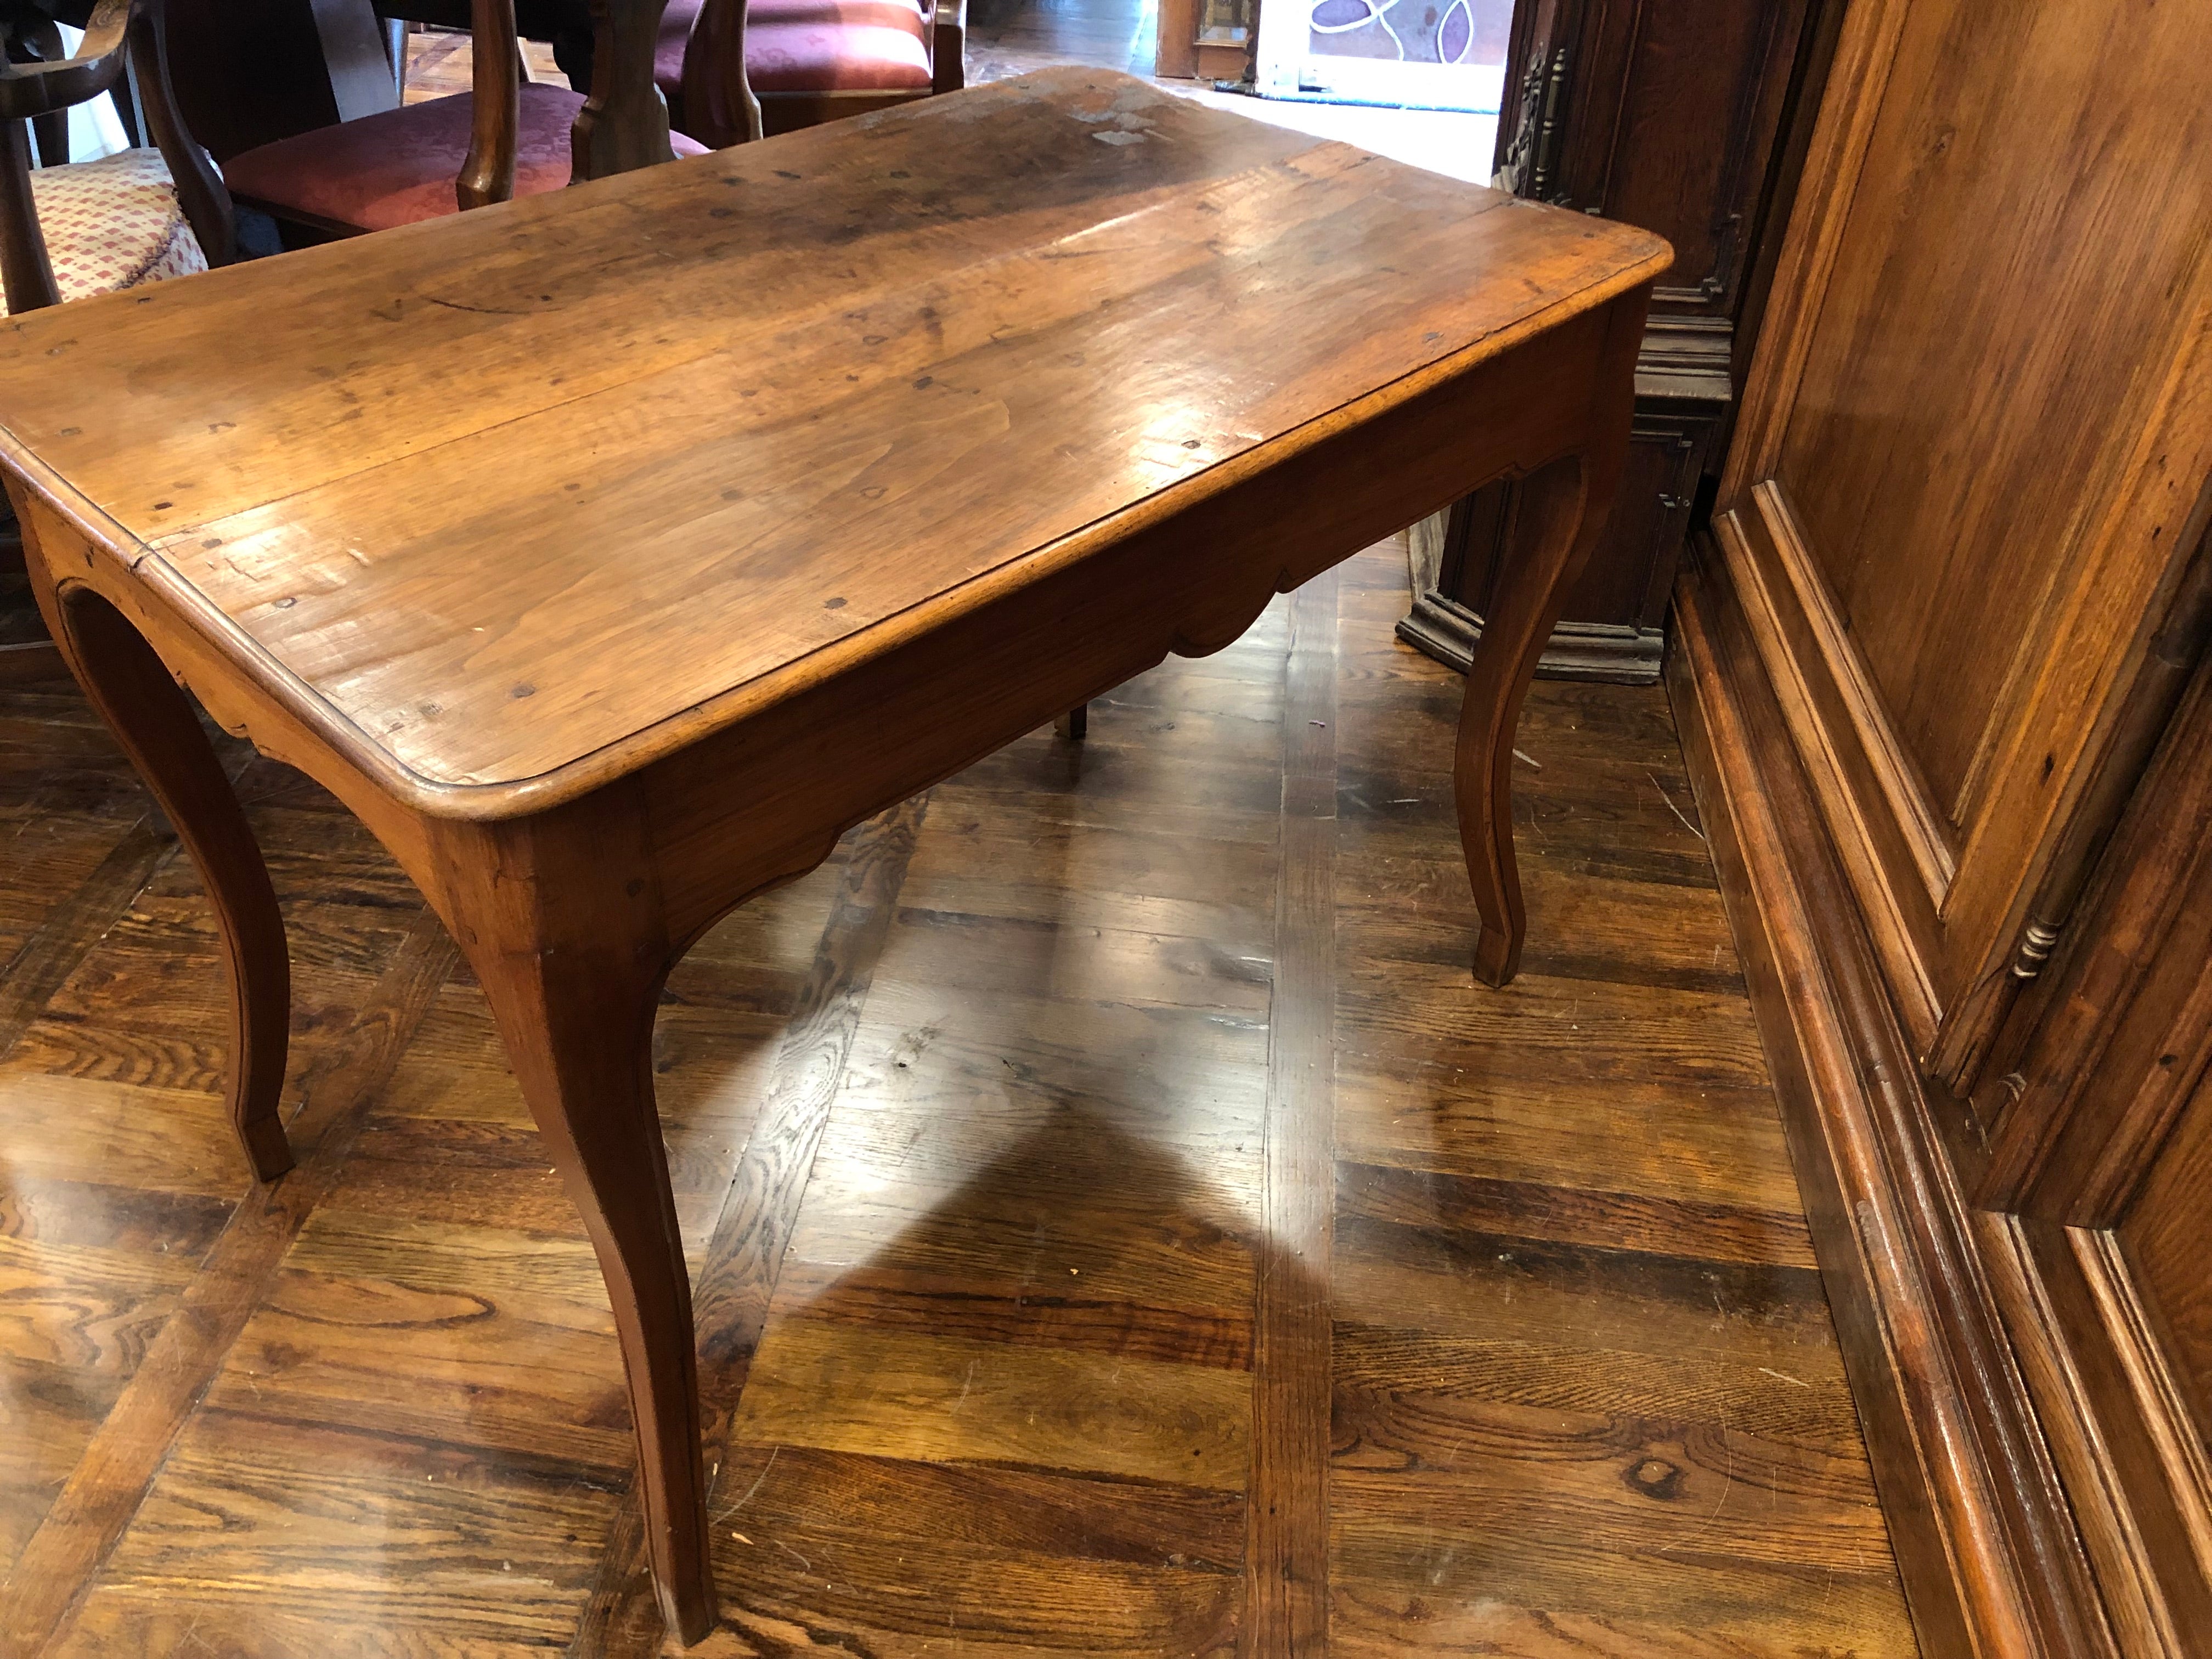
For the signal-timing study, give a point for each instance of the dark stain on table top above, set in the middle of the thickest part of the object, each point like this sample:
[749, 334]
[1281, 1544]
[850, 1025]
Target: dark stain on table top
[508, 489]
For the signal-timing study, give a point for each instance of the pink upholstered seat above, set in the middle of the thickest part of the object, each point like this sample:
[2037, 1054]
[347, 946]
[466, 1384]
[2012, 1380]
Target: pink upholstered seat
[887, 51]
[813, 46]
[396, 167]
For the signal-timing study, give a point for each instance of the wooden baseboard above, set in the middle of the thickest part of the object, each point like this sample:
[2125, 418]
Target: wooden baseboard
[1993, 1563]
[1614, 653]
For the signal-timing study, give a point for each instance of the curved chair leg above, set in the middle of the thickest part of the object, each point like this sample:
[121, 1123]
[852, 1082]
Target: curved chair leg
[1556, 500]
[153, 720]
[564, 933]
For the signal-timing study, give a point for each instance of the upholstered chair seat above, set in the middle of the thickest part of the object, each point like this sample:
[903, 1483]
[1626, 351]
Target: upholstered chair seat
[809, 60]
[398, 167]
[812, 46]
[835, 46]
[112, 223]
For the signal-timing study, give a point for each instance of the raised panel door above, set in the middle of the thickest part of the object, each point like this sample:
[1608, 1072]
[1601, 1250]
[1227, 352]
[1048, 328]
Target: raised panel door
[1977, 430]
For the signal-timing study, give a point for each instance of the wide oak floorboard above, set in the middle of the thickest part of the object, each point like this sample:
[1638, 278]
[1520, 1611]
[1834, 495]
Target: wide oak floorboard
[1102, 1175]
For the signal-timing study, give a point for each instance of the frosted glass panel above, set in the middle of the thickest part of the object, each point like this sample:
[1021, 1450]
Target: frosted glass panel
[1422, 54]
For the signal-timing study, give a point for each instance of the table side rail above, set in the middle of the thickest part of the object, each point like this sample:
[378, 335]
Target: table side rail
[1191, 583]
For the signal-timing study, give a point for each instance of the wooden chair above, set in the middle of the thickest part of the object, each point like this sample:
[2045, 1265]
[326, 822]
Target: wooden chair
[734, 69]
[69, 231]
[506, 137]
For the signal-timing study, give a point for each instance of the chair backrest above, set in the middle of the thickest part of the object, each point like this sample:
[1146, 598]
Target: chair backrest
[120, 33]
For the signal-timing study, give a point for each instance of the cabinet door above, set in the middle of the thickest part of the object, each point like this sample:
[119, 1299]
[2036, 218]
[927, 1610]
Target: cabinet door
[1660, 114]
[2100, 1150]
[1979, 422]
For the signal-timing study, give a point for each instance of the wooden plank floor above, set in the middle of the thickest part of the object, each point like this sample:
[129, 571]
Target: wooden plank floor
[1121, 1226]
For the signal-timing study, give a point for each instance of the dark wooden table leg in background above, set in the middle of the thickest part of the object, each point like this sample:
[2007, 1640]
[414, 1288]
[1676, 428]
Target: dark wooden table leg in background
[624, 124]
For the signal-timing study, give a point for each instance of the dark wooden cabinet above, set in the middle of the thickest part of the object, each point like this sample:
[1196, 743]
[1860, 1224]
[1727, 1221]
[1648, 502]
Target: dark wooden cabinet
[1676, 115]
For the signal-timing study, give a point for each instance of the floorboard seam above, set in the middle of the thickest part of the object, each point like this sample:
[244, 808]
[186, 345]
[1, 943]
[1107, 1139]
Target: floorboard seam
[64, 1558]
[47, 959]
[1286, 1499]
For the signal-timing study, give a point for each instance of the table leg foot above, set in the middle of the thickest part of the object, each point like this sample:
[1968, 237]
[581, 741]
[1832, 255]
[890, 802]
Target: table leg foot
[1074, 724]
[1497, 956]
[155, 723]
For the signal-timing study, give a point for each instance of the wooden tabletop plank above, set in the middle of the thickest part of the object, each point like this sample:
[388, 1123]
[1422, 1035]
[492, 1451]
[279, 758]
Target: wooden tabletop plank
[654, 439]
[299, 370]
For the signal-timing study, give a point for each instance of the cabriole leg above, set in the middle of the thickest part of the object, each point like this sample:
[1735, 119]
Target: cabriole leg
[1564, 505]
[154, 722]
[561, 918]
[1522, 618]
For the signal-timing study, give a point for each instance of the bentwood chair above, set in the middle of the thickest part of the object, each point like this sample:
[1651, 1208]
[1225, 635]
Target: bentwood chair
[506, 137]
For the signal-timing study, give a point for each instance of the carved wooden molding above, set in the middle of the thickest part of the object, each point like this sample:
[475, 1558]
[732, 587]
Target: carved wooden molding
[1991, 1560]
[1894, 928]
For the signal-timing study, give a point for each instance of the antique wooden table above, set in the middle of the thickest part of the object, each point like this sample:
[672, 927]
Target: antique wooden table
[610, 553]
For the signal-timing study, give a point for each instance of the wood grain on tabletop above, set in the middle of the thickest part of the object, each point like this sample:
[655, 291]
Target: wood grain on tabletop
[554, 445]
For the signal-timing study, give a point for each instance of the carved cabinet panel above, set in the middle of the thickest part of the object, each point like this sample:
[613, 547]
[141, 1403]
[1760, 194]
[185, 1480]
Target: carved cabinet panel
[1962, 543]
[1668, 452]
[2099, 1099]
[1673, 115]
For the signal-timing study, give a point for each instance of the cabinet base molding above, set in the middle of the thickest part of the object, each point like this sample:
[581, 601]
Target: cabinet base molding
[1617, 653]
[1993, 1563]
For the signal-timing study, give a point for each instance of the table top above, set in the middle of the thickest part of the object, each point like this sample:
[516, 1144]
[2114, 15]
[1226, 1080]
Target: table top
[589, 474]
